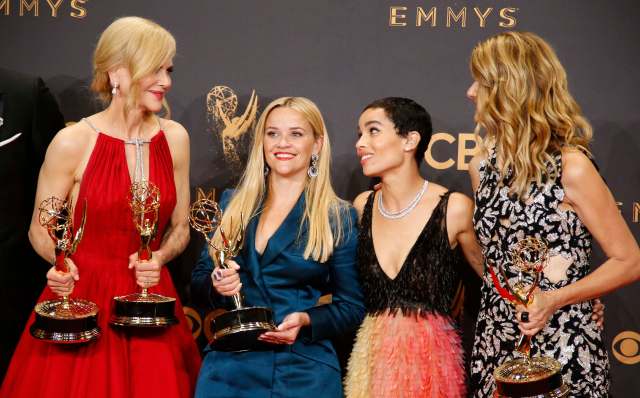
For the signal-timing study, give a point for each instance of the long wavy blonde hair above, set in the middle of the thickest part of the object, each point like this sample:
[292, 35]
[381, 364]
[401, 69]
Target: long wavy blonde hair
[323, 209]
[525, 108]
[138, 44]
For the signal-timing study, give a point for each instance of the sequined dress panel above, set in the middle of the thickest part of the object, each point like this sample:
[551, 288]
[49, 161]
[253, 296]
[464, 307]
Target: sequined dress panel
[571, 336]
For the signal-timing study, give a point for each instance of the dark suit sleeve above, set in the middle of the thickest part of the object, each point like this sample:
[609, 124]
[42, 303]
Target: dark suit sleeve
[202, 292]
[47, 120]
[346, 311]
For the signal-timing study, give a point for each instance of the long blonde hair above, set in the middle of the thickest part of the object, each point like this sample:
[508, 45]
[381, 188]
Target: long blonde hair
[524, 105]
[323, 209]
[135, 43]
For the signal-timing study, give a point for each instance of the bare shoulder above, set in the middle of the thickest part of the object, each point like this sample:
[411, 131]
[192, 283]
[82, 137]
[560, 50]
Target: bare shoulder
[460, 205]
[175, 132]
[71, 142]
[576, 166]
[458, 202]
[360, 201]
[459, 214]
[177, 139]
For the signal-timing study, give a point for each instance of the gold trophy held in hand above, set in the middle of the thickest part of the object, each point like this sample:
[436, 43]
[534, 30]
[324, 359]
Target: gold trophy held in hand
[144, 309]
[64, 320]
[237, 329]
[527, 377]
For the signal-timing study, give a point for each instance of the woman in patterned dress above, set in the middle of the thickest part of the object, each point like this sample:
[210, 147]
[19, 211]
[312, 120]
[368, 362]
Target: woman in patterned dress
[535, 178]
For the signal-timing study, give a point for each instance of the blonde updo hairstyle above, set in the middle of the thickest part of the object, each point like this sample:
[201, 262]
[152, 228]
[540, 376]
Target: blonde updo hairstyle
[525, 108]
[137, 44]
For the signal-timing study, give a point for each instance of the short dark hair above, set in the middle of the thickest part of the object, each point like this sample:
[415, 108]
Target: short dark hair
[407, 115]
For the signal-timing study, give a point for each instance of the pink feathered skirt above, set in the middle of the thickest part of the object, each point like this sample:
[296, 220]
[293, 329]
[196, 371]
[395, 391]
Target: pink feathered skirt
[406, 357]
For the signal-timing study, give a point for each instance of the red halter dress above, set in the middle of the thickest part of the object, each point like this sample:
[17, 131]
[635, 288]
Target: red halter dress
[121, 363]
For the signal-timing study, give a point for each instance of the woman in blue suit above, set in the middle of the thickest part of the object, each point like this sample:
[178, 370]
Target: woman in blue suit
[300, 243]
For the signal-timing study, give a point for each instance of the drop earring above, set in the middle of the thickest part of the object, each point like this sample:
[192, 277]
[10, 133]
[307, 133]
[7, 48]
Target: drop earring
[114, 89]
[313, 168]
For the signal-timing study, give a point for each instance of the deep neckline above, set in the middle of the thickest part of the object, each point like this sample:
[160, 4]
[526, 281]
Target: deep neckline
[413, 246]
[285, 220]
[159, 133]
[152, 140]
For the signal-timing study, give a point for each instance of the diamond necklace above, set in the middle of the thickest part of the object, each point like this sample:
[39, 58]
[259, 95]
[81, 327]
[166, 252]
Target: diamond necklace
[402, 212]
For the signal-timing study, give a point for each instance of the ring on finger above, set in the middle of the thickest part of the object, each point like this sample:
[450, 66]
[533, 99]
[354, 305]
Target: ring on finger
[218, 275]
[524, 317]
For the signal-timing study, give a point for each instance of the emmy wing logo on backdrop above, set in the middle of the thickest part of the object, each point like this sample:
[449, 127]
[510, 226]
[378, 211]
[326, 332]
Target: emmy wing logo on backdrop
[222, 104]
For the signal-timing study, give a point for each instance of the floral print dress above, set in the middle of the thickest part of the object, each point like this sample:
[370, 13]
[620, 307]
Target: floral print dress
[571, 336]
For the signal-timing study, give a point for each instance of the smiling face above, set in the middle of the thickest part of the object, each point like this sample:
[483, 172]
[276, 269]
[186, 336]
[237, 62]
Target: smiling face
[289, 142]
[151, 88]
[379, 147]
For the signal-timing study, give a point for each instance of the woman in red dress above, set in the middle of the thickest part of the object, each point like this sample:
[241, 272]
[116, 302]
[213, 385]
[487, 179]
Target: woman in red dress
[92, 161]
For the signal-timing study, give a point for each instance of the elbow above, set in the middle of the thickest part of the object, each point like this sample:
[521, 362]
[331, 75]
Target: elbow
[360, 316]
[182, 236]
[33, 235]
[187, 238]
[357, 314]
[631, 267]
[356, 319]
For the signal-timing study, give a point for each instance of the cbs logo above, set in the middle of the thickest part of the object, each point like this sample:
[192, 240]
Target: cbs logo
[466, 147]
[195, 322]
[626, 347]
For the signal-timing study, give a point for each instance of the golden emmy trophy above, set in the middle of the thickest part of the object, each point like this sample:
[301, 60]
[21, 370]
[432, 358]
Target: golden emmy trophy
[64, 320]
[144, 309]
[239, 328]
[527, 377]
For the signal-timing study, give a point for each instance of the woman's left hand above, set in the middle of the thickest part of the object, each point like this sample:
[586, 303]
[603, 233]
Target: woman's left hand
[288, 330]
[147, 272]
[541, 308]
[598, 313]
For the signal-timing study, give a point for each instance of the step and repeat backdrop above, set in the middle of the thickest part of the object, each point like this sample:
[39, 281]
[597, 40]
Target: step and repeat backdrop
[235, 56]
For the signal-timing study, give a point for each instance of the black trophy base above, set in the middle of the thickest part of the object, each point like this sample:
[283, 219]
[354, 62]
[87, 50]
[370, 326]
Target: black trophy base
[66, 322]
[538, 377]
[140, 310]
[238, 330]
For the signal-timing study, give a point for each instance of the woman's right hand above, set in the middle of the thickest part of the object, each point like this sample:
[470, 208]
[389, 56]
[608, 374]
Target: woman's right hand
[62, 283]
[226, 281]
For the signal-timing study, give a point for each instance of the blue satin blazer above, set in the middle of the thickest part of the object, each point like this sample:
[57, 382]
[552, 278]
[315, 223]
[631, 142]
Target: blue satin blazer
[284, 281]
